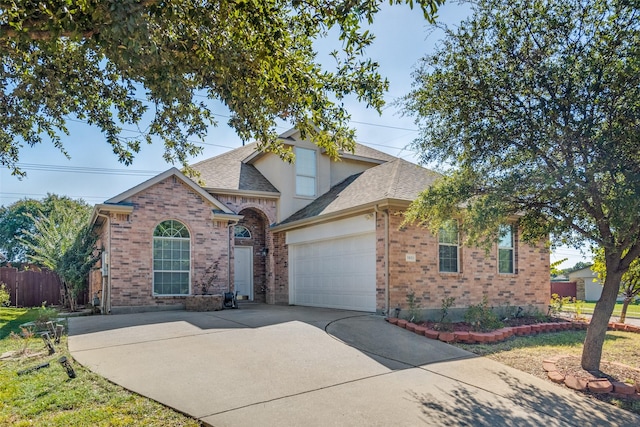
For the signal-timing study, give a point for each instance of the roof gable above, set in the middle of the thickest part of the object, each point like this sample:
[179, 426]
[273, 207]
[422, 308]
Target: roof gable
[161, 177]
[228, 171]
[398, 180]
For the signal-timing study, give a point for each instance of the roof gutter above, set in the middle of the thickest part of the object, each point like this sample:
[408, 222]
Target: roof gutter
[250, 193]
[319, 219]
[221, 216]
[100, 209]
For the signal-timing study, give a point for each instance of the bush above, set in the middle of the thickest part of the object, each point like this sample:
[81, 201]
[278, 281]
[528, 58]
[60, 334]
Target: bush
[45, 315]
[557, 302]
[414, 311]
[4, 295]
[482, 318]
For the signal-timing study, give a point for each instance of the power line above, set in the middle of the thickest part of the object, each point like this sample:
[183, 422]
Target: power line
[4, 195]
[384, 126]
[84, 169]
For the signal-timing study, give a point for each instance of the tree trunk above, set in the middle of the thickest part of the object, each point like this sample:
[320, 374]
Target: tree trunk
[70, 298]
[625, 305]
[592, 350]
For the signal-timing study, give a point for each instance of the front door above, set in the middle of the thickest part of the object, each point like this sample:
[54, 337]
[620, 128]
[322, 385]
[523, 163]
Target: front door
[243, 270]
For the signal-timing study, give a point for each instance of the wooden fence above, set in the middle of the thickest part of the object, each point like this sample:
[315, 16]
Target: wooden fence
[564, 289]
[30, 288]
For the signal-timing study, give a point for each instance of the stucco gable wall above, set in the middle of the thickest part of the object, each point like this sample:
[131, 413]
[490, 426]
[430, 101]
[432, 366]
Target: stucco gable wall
[478, 275]
[132, 243]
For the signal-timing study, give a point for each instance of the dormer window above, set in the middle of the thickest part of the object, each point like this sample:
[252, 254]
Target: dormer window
[305, 172]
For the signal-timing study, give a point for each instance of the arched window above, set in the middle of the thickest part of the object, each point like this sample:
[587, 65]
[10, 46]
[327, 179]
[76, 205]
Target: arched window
[171, 259]
[241, 232]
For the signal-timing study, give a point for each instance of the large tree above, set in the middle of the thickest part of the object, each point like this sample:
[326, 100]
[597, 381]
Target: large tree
[629, 283]
[62, 242]
[17, 222]
[153, 64]
[534, 108]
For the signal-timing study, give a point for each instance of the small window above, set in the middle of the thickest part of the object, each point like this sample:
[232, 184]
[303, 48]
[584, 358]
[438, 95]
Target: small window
[448, 247]
[305, 172]
[241, 232]
[506, 250]
[171, 259]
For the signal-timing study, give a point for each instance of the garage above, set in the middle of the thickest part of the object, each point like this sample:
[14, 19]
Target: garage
[334, 265]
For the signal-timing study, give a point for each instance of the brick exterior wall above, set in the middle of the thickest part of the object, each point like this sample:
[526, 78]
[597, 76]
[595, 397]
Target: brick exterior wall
[280, 269]
[131, 272]
[131, 254]
[264, 209]
[478, 275]
[255, 223]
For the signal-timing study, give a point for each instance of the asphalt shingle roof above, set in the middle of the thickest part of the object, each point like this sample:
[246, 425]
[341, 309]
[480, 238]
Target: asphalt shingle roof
[398, 179]
[227, 171]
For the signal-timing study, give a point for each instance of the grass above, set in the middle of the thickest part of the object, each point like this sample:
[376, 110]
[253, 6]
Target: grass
[632, 311]
[527, 353]
[12, 318]
[48, 397]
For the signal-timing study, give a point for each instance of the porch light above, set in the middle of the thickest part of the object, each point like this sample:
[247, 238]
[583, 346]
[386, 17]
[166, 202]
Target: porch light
[264, 251]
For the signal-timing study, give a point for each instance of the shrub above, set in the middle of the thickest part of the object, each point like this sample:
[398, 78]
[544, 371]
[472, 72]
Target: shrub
[482, 318]
[4, 295]
[447, 303]
[414, 312]
[557, 302]
[45, 314]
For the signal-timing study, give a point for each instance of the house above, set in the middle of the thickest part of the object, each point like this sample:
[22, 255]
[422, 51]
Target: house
[316, 232]
[588, 286]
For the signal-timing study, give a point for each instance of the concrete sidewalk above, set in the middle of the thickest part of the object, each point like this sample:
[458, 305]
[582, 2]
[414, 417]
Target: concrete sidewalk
[281, 366]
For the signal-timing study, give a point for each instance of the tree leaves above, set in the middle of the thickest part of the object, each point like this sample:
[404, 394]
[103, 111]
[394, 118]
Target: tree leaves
[536, 106]
[144, 63]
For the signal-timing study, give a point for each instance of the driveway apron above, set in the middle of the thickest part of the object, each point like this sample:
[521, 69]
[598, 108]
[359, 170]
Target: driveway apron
[275, 365]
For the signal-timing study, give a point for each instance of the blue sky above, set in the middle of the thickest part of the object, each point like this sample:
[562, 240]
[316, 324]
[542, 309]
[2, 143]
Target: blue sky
[94, 174]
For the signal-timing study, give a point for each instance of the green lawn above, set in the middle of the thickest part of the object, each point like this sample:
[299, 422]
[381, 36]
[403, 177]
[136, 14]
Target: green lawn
[48, 397]
[632, 311]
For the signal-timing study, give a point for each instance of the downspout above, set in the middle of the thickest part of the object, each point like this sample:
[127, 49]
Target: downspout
[106, 281]
[233, 223]
[385, 215]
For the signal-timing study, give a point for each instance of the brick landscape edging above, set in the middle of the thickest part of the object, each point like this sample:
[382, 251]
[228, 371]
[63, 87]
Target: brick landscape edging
[503, 333]
[597, 385]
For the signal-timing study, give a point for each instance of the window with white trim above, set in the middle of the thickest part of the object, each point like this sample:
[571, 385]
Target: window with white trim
[241, 232]
[305, 172]
[506, 252]
[171, 258]
[448, 248]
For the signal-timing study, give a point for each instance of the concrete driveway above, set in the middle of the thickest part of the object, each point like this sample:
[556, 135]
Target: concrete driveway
[291, 366]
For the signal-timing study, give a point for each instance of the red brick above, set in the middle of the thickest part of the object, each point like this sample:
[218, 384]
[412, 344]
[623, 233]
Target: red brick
[420, 330]
[575, 383]
[462, 336]
[622, 388]
[477, 337]
[478, 276]
[447, 337]
[556, 377]
[430, 333]
[601, 385]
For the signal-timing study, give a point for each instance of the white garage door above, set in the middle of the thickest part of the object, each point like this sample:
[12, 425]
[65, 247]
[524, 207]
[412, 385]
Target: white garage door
[337, 273]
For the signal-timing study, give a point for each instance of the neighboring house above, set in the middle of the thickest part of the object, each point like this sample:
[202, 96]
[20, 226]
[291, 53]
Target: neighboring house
[588, 286]
[317, 232]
